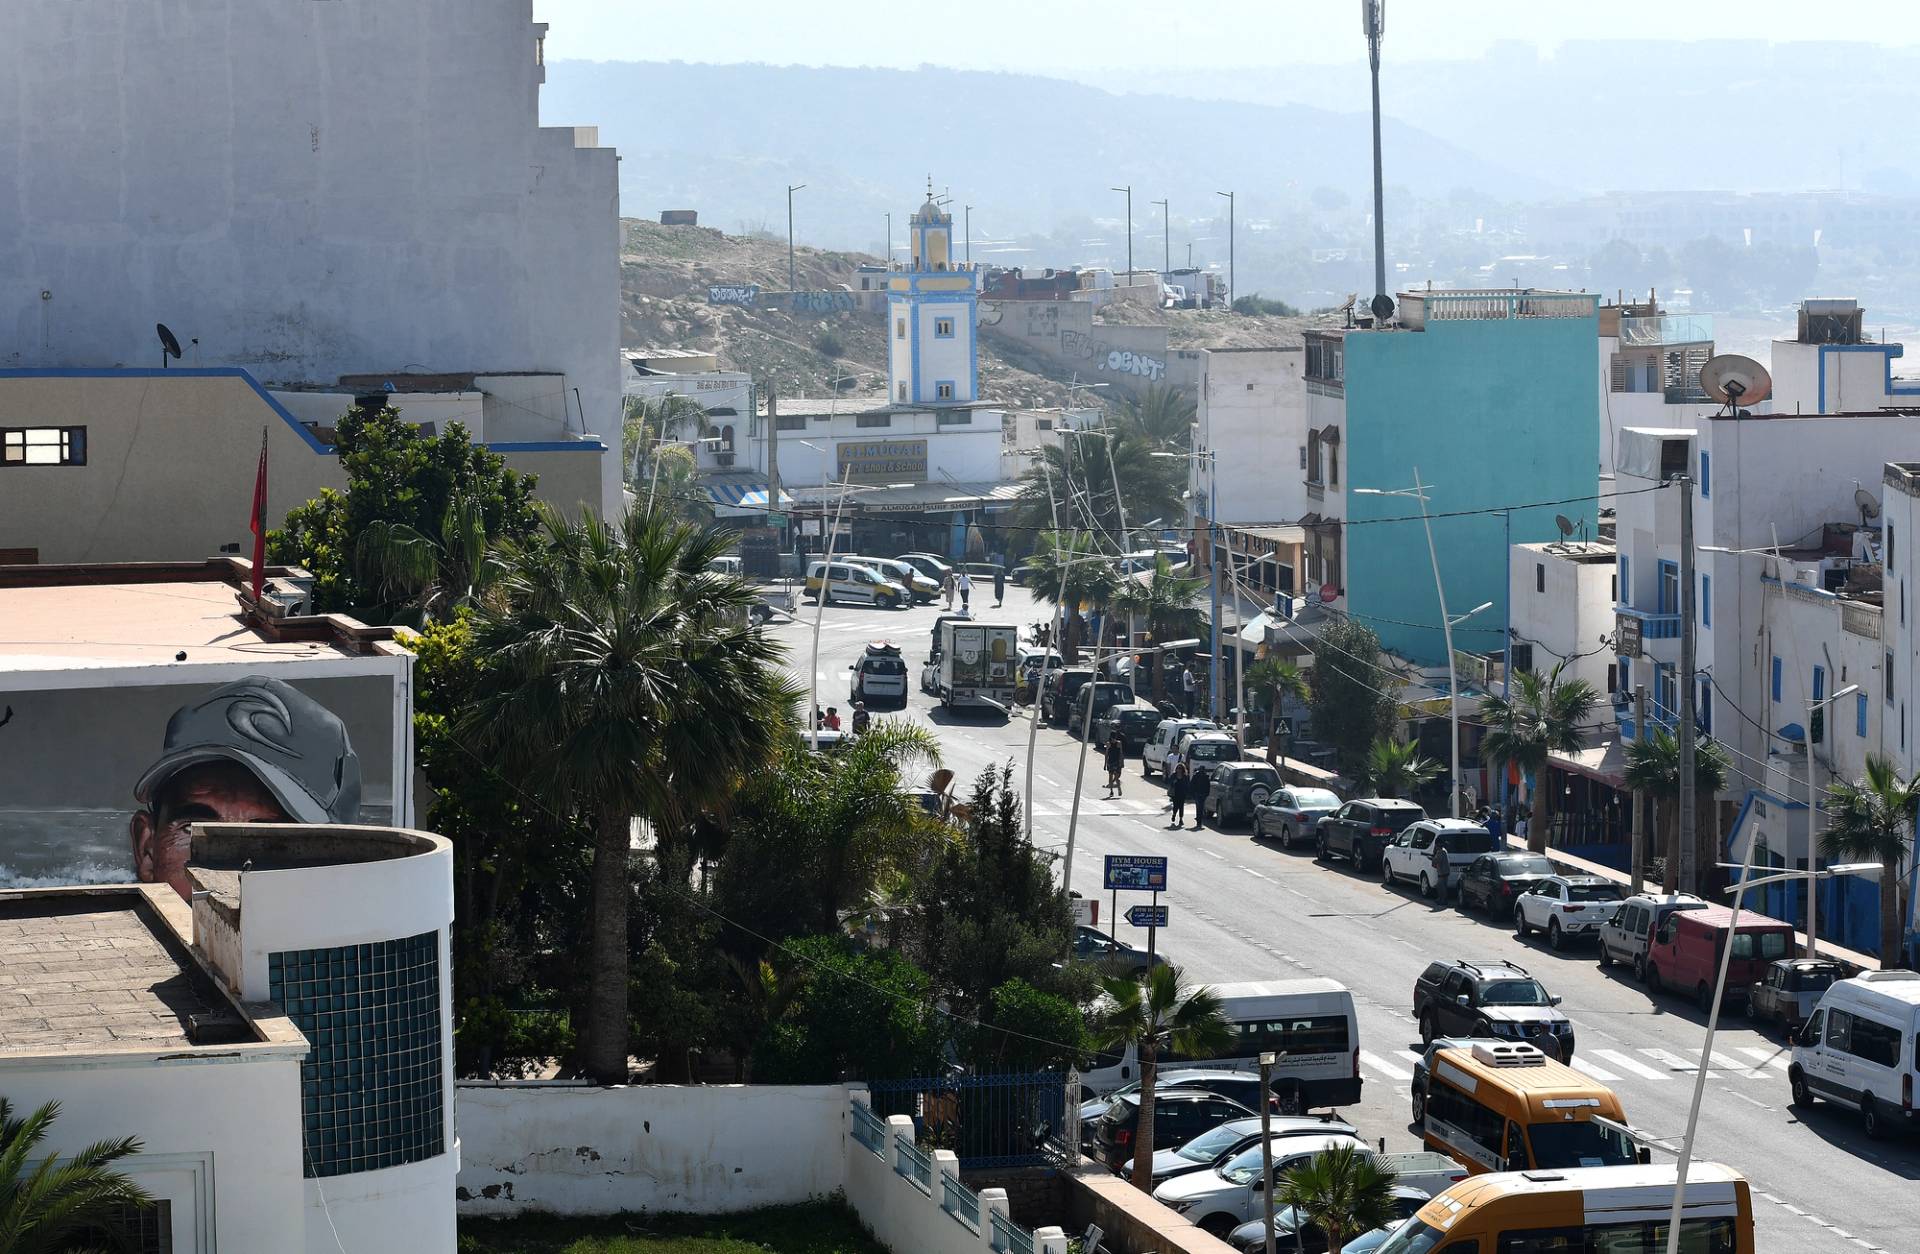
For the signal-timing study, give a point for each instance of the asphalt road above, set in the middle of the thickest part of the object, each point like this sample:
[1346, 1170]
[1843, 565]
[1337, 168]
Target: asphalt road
[1246, 910]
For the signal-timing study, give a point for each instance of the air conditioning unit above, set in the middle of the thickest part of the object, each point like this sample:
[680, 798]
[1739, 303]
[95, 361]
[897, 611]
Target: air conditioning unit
[1503, 1054]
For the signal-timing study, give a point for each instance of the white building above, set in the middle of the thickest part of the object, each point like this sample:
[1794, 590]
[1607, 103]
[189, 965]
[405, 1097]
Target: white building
[282, 1047]
[932, 316]
[307, 191]
[1252, 415]
[1832, 365]
[1650, 371]
[652, 373]
[1561, 599]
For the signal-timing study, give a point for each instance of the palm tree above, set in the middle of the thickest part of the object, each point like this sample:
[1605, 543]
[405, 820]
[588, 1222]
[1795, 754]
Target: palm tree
[1151, 1015]
[1394, 769]
[1653, 767]
[1343, 1191]
[1161, 415]
[1165, 601]
[58, 1206]
[630, 684]
[1276, 680]
[1074, 479]
[432, 576]
[1871, 820]
[652, 420]
[1065, 555]
[1543, 717]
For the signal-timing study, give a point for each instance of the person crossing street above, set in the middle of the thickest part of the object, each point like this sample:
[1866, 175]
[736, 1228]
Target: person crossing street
[1116, 762]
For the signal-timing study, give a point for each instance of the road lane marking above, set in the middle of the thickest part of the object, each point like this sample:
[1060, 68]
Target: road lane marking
[1770, 1057]
[1409, 1055]
[1632, 1066]
[1722, 1062]
[1250, 871]
[1217, 857]
[1384, 1067]
[1594, 1071]
[1671, 1061]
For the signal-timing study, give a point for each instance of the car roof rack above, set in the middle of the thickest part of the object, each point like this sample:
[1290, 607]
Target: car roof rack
[1480, 968]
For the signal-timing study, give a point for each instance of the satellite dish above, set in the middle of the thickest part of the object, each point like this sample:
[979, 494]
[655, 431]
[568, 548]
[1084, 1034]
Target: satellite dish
[1868, 504]
[1565, 524]
[1735, 380]
[1382, 306]
[169, 346]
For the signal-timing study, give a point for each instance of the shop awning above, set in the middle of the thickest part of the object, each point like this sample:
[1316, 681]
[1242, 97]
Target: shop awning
[1605, 762]
[934, 497]
[741, 492]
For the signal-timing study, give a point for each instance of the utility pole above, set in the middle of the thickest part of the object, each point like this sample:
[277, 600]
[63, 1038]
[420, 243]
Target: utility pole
[1689, 856]
[1128, 189]
[773, 465]
[1638, 869]
[888, 259]
[969, 230]
[791, 189]
[1166, 237]
[1231, 292]
[1373, 18]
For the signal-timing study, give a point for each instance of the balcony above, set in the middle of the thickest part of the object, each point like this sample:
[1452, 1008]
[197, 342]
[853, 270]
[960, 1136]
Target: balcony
[1665, 330]
[1496, 304]
[1633, 628]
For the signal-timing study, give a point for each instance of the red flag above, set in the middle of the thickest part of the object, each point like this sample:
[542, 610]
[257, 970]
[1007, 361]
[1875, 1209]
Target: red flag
[260, 519]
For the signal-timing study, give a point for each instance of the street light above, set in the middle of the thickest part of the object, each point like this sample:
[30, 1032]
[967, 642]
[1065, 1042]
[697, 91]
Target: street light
[791, 189]
[1230, 292]
[1419, 493]
[1813, 822]
[1739, 891]
[1128, 189]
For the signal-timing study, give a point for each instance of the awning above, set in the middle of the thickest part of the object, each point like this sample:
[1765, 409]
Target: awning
[741, 492]
[1605, 762]
[933, 497]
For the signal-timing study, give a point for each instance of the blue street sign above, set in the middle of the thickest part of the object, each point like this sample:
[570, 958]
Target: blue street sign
[1146, 873]
[1147, 916]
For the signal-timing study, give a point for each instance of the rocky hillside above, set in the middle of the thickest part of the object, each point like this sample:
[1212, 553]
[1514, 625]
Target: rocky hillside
[666, 270]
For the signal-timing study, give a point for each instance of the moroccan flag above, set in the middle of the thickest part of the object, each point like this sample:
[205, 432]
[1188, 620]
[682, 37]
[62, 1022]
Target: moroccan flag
[260, 519]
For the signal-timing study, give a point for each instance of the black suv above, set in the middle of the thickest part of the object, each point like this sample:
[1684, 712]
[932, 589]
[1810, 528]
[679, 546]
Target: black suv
[1490, 999]
[1360, 830]
[1135, 721]
[1179, 1116]
[1056, 700]
[1106, 695]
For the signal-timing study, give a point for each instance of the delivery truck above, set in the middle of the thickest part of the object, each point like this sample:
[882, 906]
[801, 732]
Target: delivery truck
[977, 665]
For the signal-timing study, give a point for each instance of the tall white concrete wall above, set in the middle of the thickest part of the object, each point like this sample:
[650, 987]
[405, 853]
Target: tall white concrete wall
[308, 190]
[1253, 414]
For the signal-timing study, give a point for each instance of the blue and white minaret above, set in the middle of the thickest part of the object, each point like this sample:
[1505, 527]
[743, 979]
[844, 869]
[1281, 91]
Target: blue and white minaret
[931, 307]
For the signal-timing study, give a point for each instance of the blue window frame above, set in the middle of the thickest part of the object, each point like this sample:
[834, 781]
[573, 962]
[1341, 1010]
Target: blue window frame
[1668, 594]
[943, 390]
[1860, 715]
[1706, 473]
[1819, 683]
[1706, 600]
[1703, 706]
[1626, 582]
[943, 328]
[1626, 676]
[1776, 679]
[1818, 730]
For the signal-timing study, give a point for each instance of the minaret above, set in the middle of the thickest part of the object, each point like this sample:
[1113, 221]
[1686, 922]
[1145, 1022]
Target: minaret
[931, 355]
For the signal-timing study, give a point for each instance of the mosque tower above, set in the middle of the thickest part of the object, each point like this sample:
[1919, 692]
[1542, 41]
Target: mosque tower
[932, 358]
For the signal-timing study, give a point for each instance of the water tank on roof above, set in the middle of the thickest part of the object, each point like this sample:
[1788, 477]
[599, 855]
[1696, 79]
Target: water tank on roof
[1830, 320]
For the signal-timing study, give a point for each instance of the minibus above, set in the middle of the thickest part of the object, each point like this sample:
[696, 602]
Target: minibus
[1505, 1105]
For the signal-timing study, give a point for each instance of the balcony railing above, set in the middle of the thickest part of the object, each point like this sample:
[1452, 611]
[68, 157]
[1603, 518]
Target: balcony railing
[869, 1129]
[1632, 628]
[1419, 308]
[1666, 329]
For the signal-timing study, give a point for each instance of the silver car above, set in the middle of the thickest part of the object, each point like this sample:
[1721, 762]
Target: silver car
[1291, 813]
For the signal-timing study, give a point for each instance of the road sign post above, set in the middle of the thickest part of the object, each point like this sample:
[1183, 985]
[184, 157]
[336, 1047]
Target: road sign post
[1153, 918]
[1140, 873]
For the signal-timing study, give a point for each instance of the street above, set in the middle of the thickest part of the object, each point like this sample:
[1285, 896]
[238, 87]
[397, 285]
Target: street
[1245, 910]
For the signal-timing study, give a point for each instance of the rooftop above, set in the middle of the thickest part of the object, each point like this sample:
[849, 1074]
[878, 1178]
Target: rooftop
[1585, 552]
[86, 970]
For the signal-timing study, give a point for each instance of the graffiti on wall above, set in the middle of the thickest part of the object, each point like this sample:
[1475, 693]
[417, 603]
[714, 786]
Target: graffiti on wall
[732, 293]
[1106, 357]
[809, 302]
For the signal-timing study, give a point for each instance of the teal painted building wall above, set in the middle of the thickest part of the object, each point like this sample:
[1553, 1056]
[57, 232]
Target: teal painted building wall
[1493, 412]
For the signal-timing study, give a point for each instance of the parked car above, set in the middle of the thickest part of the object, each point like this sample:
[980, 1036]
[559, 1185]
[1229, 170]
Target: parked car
[1056, 699]
[1251, 1237]
[1233, 1136]
[1566, 907]
[1223, 1197]
[1360, 831]
[1166, 738]
[1625, 937]
[906, 574]
[1240, 1086]
[1685, 952]
[1858, 1049]
[1105, 695]
[1411, 855]
[1111, 955]
[1292, 813]
[1179, 1115]
[1205, 752]
[879, 674]
[726, 566]
[1134, 720]
[862, 585]
[1791, 989]
[1496, 999]
[931, 565]
[1235, 791]
[1492, 880]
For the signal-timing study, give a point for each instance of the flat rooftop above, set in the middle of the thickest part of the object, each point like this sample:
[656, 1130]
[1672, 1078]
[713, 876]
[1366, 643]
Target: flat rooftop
[87, 970]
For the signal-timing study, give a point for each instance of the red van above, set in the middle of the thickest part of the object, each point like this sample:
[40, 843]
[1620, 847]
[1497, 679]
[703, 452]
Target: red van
[1684, 953]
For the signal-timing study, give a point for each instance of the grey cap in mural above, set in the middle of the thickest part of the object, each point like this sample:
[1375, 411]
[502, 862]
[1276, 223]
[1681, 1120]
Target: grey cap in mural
[297, 747]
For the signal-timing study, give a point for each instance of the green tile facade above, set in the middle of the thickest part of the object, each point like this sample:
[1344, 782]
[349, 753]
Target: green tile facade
[372, 1089]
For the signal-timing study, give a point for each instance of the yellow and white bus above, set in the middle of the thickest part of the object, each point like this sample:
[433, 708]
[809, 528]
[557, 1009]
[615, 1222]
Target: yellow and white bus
[1505, 1106]
[1588, 1210]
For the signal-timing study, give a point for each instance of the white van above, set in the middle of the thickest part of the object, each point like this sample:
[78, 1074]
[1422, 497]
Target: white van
[1858, 1049]
[859, 584]
[1309, 1022]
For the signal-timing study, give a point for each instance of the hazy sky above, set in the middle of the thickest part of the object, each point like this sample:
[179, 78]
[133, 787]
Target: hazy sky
[1044, 36]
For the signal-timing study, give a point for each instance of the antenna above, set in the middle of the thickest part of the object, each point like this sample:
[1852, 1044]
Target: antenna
[1732, 379]
[169, 346]
[1566, 527]
[1868, 504]
[1373, 20]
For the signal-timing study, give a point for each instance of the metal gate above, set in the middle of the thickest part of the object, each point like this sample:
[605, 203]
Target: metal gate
[987, 1120]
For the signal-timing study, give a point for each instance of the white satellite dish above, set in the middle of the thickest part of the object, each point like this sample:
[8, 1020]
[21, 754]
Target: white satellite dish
[1867, 503]
[1735, 380]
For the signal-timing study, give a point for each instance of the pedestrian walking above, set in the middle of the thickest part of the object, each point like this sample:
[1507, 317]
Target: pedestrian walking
[965, 584]
[1497, 828]
[946, 588]
[1177, 793]
[1189, 686]
[999, 583]
[833, 718]
[1116, 762]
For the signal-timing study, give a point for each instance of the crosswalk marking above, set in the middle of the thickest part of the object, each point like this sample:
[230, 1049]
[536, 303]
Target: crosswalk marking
[1385, 1068]
[1631, 1066]
[1409, 1055]
[1723, 1062]
[1768, 1057]
[1671, 1061]
[1595, 1072]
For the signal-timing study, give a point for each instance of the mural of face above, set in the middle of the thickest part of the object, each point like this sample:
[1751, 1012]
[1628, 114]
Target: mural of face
[211, 792]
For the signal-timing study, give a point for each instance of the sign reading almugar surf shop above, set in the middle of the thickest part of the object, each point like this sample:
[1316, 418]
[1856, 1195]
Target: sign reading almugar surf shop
[881, 461]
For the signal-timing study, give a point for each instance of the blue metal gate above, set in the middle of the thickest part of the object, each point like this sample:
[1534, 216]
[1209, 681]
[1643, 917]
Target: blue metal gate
[987, 1120]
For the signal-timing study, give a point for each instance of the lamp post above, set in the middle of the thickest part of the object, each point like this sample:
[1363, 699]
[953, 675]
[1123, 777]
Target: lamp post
[791, 189]
[1419, 493]
[1813, 822]
[1230, 288]
[1267, 1062]
[1128, 189]
[1739, 891]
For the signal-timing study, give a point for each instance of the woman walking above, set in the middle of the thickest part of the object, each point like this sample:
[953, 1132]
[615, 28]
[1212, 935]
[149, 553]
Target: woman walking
[946, 588]
[1177, 793]
[1116, 762]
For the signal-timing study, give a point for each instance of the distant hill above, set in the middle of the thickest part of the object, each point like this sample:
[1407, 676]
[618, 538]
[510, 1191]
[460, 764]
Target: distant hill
[1028, 153]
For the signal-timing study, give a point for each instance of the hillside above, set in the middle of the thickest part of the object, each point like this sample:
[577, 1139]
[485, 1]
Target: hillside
[665, 272]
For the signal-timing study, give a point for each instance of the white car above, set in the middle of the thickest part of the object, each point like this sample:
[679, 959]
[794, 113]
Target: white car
[1165, 737]
[1566, 907]
[1411, 855]
[1228, 1194]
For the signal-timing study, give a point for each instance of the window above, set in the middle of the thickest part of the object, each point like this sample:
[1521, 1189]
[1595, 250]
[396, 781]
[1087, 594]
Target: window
[1706, 474]
[943, 390]
[1666, 693]
[1539, 576]
[1875, 1042]
[1706, 600]
[1453, 1118]
[43, 446]
[1613, 678]
[137, 1229]
[1333, 462]
[902, 392]
[943, 328]
[954, 417]
[1697, 1236]
[1626, 675]
[1669, 595]
[1860, 715]
[1886, 677]
[1313, 457]
[790, 422]
[1625, 585]
[1775, 686]
[1889, 544]
[877, 420]
[1522, 657]
[1703, 706]
[899, 328]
